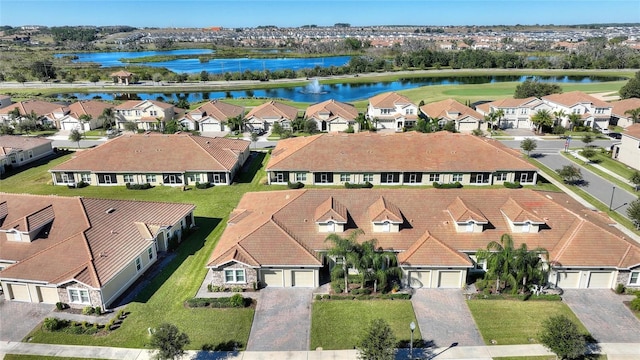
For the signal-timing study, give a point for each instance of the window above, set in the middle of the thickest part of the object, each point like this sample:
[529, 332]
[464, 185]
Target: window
[634, 279]
[86, 177]
[599, 110]
[195, 177]
[151, 178]
[172, 178]
[128, 178]
[367, 177]
[481, 264]
[470, 226]
[386, 111]
[279, 177]
[501, 176]
[67, 178]
[479, 178]
[456, 177]
[387, 178]
[523, 111]
[234, 276]
[137, 112]
[79, 296]
[331, 226]
[526, 227]
[30, 154]
[150, 252]
[386, 226]
[301, 177]
[576, 111]
[153, 112]
[434, 177]
[138, 264]
[345, 177]
[409, 112]
[412, 178]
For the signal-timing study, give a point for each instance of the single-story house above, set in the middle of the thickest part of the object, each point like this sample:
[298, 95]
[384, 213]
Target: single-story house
[278, 238]
[82, 251]
[37, 107]
[392, 111]
[146, 114]
[262, 117]
[81, 115]
[157, 159]
[211, 116]
[409, 158]
[628, 150]
[620, 113]
[333, 116]
[466, 119]
[17, 150]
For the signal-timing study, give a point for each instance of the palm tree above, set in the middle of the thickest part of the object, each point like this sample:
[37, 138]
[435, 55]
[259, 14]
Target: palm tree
[108, 118]
[634, 114]
[500, 257]
[542, 118]
[529, 266]
[574, 120]
[85, 118]
[75, 136]
[498, 115]
[559, 114]
[344, 248]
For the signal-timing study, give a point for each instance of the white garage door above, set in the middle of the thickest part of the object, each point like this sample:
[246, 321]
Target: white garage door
[568, 279]
[302, 278]
[68, 125]
[210, 127]
[449, 279]
[272, 278]
[20, 292]
[600, 280]
[48, 295]
[420, 279]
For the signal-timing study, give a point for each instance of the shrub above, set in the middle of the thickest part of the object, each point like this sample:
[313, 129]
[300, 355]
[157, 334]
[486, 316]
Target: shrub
[619, 288]
[236, 300]
[204, 185]
[88, 310]
[144, 186]
[237, 289]
[61, 305]
[98, 310]
[455, 185]
[512, 185]
[318, 297]
[364, 291]
[635, 304]
[82, 184]
[337, 286]
[366, 185]
[53, 324]
[295, 185]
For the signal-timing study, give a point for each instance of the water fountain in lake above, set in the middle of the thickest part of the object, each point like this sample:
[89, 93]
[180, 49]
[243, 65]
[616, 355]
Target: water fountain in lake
[313, 87]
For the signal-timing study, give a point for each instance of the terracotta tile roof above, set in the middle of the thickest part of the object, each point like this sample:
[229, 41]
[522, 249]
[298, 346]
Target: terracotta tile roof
[383, 210]
[142, 104]
[278, 227]
[215, 109]
[622, 106]
[572, 98]
[84, 242]
[39, 107]
[333, 109]
[514, 103]
[331, 210]
[9, 143]
[87, 107]
[389, 100]
[436, 152]
[449, 109]
[158, 153]
[519, 213]
[273, 110]
[633, 131]
[463, 213]
[121, 73]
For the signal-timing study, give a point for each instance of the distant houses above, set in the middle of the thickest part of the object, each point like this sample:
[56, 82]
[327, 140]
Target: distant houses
[16, 151]
[212, 116]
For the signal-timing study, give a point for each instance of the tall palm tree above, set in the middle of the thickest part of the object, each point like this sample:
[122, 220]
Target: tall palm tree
[344, 248]
[85, 118]
[574, 120]
[529, 266]
[559, 114]
[542, 118]
[500, 257]
[634, 114]
[498, 115]
[108, 118]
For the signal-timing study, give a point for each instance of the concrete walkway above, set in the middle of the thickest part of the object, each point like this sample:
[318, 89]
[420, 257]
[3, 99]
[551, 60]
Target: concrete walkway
[614, 351]
[603, 314]
[444, 317]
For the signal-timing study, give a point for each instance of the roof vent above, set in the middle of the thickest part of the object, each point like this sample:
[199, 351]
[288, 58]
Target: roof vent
[110, 210]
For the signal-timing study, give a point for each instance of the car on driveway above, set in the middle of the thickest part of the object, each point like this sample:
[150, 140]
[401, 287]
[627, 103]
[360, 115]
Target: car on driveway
[615, 135]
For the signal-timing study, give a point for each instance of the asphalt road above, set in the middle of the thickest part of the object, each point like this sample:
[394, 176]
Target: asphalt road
[545, 146]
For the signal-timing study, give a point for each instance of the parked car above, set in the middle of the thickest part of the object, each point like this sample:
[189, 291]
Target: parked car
[615, 135]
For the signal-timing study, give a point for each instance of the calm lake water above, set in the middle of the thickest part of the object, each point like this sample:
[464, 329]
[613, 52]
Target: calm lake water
[340, 92]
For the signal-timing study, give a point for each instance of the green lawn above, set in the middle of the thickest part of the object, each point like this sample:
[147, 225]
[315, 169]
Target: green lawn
[162, 300]
[599, 159]
[339, 324]
[512, 322]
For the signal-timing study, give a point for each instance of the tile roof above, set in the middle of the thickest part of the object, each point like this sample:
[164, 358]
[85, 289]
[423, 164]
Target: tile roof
[449, 109]
[215, 109]
[331, 210]
[278, 227]
[572, 98]
[633, 131]
[463, 213]
[9, 143]
[514, 103]
[273, 109]
[142, 104]
[84, 241]
[389, 100]
[622, 106]
[333, 108]
[121, 73]
[39, 107]
[158, 153]
[88, 107]
[411, 151]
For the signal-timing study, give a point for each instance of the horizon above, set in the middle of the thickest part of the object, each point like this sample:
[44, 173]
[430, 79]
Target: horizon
[299, 13]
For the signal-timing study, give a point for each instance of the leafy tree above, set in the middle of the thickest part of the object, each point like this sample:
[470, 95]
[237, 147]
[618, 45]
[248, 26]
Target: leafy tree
[130, 126]
[574, 120]
[94, 78]
[156, 78]
[169, 342]
[587, 139]
[378, 343]
[235, 123]
[204, 75]
[588, 153]
[562, 336]
[450, 126]
[632, 88]
[277, 129]
[343, 248]
[310, 126]
[254, 138]
[43, 70]
[500, 257]
[75, 136]
[183, 103]
[570, 174]
[634, 114]
[528, 145]
[635, 178]
[530, 88]
[542, 118]
[6, 129]
[633, 211]
[171, 126]
[19, 77]
[108, 118]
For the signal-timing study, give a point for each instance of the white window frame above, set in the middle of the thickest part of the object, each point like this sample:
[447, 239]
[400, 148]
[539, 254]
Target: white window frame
[301, 176]
[86, 177]
[413, 178]
[234, 273]
[526, 227]
[150, 253]
[367, 177]
[324, 179]
[151, 178]
[79, 292]
[279, 177]
[501, 176]
[386, 226]
[389, 179]
[434, 177]
[138, 264]
[456, 177]
[129, 178]
[637, 280]
[66, 179]
[345, 177]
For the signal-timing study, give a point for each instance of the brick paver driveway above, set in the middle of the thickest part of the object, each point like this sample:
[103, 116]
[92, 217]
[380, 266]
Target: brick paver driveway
[444, 317]
[604, 315]
[282, 321]
[17, 319]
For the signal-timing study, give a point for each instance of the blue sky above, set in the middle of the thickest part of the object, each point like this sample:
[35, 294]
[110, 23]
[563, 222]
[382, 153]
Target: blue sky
[240, 13]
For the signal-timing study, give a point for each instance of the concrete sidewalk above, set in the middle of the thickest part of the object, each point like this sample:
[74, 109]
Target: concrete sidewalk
[614, 351]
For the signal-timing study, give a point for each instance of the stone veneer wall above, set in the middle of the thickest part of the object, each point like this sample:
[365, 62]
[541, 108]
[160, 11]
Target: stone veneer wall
[251, 275]
[94, 295]
[623, 278]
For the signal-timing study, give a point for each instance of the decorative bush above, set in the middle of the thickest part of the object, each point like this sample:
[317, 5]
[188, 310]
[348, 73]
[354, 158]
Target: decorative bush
[236, 301]
[635, 304]
[337, 286]
[512, 185]
[364, 291]
[619, 288]
[61, 305]
[144, 186]
[53, 324]
[98, 310]
[82, 184]
[88, 310]
[366, 185]
[204, 185]
[237, 289]
[295, 185]
[455, 185]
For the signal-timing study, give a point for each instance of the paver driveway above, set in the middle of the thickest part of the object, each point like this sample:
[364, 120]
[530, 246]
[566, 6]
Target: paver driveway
[444, 317]
[17, 319]
[282, 320]
[604, 315]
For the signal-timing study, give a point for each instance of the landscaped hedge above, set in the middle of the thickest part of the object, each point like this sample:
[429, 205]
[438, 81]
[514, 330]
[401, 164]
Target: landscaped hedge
[235, 301]
[455, 185]
[71, 327]
[204, 185]
[522, 297]
[295, 185]
[512, 185]
[138, 186]
[362, 296]
[82, 184]
[366, 185]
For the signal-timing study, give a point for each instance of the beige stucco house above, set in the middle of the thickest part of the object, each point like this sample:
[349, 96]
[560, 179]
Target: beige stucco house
[408, 158]
[516, 113]
[16, 151]
[392, 111]
[594, 112]
[211, 116]
[262, 117]
[156, 159]
[71, 117]
[333, 116]
[38, 107]
[628, 150]
[278, 238]
[466, 119]
[620, 115]
[81, 251]
[146, 114]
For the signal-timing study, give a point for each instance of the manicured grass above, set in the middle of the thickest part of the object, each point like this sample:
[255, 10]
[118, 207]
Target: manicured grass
[163, 299]
[598, 159]
[340, 324]
[511, 322]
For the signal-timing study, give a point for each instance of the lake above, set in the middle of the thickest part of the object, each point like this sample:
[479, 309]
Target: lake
[339, 92]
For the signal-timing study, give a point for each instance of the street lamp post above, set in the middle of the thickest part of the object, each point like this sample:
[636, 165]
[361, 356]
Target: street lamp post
[412, 326]
[613, 191]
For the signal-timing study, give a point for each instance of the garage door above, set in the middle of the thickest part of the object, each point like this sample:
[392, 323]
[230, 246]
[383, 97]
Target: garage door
[272, 278]
[67, 125]
[568, 279]
[449, 279]
[210, 127]
[48, 295]
[600, 280]
[20, 292]
[420, 279]
[302, 278]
